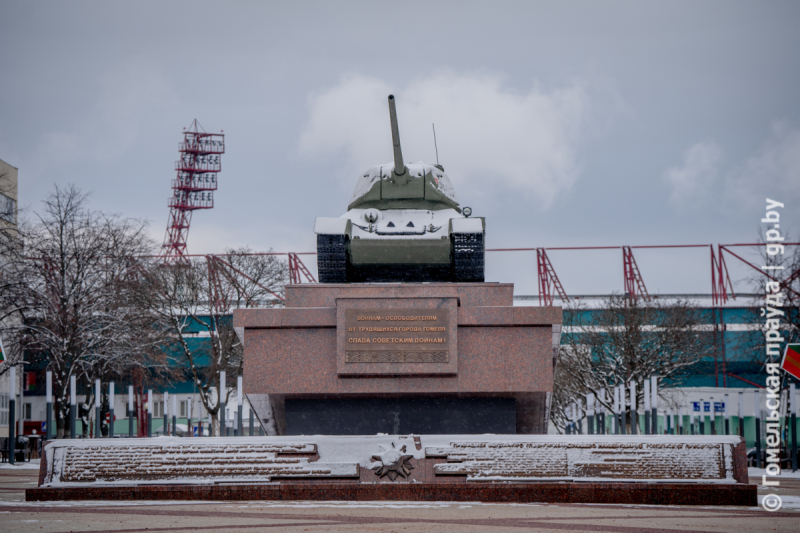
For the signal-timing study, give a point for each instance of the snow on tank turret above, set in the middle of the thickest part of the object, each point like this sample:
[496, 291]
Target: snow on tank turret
[404, 223]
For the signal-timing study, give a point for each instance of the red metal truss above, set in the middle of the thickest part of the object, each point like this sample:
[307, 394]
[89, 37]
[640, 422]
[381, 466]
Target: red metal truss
[193, 188]
[788, 281]
[549, 284]
[634, 284]
[784, 284]
[296, 269]
[219, 301]
[218, 268]
[720, 279]
[548, 280]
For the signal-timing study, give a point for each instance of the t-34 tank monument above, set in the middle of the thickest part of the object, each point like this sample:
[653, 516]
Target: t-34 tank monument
[404, 223]
[402, 335]
[402, 376]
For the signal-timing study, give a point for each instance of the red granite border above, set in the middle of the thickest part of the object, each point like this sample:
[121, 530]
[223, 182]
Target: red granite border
[469, 294]
[43, 463]
[740, 473]
[607, 493]
[325, 317]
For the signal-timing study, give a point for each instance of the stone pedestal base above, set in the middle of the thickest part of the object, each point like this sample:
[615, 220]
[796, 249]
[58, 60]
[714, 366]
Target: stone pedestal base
[399, 358]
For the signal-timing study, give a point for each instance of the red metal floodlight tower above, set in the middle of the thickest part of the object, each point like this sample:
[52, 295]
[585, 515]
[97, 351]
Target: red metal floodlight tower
[193, 188]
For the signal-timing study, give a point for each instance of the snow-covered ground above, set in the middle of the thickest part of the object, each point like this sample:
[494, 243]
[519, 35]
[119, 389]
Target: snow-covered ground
[787, 502]
[32, 465]
[756, 473]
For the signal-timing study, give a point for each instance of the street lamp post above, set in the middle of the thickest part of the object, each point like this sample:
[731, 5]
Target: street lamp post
[12, 411]
[654, 403]
[223, 423]
[130, 412]
[150, 412]
[646, 386]
[111, 410]
[98, 401]
[634, 415]
[49, 407]
[165, 427]
[240, 429]
[73, 400]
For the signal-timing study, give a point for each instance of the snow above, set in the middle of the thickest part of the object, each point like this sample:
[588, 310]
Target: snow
[356, 505]
[427, 224]
[371, 176]
[756, 473]
[261, 504]
[368, 179]
[389, 456]
[480, 457]
[361, 449]
[467, 225]
[200, 461]
[330, 226]
[637, 459]
[787, 502]
[98, 503]
[33, 464]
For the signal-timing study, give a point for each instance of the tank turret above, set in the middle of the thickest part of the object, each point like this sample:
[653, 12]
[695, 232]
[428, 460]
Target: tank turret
[404, 223]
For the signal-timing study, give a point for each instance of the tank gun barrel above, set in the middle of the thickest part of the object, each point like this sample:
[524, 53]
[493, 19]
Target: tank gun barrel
[399, 166]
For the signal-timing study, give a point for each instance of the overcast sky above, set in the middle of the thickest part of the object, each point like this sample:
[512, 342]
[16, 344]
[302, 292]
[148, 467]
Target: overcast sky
[563, 123]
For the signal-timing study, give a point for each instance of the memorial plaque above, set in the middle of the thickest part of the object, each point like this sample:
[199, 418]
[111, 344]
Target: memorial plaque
[397, 335]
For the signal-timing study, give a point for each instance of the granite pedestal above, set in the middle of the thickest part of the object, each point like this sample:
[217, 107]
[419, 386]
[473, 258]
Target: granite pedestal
[652, 469]
[355, 359]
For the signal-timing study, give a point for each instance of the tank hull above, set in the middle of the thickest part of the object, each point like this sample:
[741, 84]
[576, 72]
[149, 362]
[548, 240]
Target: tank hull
[399, 251]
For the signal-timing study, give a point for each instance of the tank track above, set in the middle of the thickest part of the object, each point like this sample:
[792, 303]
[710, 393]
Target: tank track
[468, 253]
[332, 258]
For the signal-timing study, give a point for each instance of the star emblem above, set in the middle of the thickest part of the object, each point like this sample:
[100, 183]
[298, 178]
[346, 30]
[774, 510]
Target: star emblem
[393, 463]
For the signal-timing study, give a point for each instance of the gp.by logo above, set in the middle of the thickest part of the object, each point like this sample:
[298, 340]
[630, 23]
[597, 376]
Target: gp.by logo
[771, 502]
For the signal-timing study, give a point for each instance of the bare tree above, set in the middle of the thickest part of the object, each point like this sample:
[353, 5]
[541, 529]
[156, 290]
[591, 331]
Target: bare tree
[627, 339]
[65, 279]
[8, 206]
[781, 281]
[9, 240]
[193, 301]
[784, 269]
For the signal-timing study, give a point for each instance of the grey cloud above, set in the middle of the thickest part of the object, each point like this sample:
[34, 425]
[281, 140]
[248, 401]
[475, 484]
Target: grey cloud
[692, 180]
[493, 140]
[774, 168]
